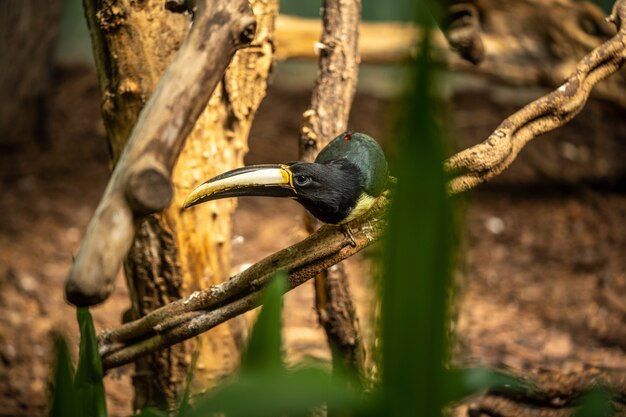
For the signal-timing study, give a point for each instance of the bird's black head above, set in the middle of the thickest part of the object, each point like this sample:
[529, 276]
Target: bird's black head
[343, 182]
[329, 191]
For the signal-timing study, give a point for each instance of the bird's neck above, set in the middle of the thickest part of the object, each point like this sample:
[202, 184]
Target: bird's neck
[336, 202]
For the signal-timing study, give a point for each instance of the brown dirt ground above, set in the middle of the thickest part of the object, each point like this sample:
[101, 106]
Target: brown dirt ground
[541, 286]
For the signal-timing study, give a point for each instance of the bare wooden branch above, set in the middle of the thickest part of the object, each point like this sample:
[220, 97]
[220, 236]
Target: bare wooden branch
[327, 117]
[140, 183]
[328, 246]
[189, 317]
[488, 159]
[337, 73]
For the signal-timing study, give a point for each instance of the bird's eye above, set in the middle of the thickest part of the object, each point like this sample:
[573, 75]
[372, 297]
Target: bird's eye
[302, 180]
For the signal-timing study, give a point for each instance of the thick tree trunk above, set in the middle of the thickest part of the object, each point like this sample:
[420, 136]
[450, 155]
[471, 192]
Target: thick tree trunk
[28, 29]
[327, 117]
[177, 253]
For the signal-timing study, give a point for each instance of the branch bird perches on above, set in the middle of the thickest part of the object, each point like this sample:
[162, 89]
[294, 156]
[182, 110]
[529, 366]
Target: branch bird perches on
[188, 317]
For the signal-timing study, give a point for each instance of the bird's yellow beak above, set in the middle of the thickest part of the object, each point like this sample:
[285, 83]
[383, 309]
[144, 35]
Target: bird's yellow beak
[255, 180]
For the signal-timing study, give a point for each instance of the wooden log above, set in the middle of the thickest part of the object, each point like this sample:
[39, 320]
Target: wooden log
[140, 183]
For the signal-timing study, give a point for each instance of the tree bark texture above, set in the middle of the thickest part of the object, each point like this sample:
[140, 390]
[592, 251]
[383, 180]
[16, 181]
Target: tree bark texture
[326, 118]
[176, 253]
[28, 29]
[141, 182]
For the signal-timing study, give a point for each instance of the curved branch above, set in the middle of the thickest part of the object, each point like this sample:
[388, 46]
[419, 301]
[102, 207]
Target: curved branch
[482, 162]
[140, 183]
[565, 385]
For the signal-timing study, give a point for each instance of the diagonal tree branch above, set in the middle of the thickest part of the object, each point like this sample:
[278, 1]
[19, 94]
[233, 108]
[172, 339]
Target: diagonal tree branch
[189, 317]
[326, 247]
[488, 159]
[140, 183]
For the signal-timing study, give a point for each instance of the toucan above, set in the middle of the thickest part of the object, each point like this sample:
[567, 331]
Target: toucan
[342, 184]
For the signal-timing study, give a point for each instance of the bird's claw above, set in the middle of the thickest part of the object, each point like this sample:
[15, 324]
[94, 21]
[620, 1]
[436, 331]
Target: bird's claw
[348, 232]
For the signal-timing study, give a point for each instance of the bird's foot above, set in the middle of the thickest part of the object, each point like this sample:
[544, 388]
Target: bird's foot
[348, 232]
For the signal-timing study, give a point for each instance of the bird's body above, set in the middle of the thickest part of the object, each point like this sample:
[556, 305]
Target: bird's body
[342, 184]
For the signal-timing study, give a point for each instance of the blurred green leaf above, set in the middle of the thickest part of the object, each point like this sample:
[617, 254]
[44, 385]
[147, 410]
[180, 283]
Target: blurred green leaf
[461, 383]
[63, 395]
[184, 400]
[264, 387]
[263, 352]
[418, 257]
[596, 403]
[275, 393]
[88, 380]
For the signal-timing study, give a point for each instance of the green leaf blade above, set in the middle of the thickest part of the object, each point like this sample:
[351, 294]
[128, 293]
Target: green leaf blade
[418, 258]
[461, 383]
[276, 393]
[88, 380]
[63, 393]
[263, 352]
[596, 403]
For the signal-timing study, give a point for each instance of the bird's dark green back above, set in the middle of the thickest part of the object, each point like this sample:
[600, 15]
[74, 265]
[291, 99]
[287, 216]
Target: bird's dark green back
[365, 153]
